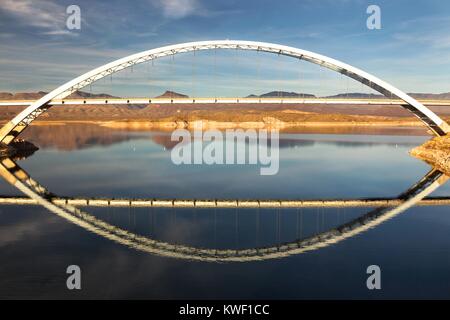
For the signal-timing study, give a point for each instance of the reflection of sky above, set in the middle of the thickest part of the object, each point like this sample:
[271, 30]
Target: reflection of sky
[375, 166]
[113, 271]
[143, 168]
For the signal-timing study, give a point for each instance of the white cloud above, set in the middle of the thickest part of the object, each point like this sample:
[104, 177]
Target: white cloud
[179, 8]
[437, 40]
[430, 31]
[37, 13]
[60, 33]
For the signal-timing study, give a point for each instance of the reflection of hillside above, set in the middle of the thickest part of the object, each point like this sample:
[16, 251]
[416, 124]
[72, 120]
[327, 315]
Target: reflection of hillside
[75, 136]
[285, 143]
[288, 143]
[359, 144]
[164, 140]
[365, 130]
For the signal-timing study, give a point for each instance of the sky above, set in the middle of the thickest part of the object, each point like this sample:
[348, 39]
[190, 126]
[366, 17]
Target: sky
[38, 52]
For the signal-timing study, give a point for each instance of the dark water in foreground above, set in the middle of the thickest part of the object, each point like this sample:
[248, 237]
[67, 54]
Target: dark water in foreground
[36, 246]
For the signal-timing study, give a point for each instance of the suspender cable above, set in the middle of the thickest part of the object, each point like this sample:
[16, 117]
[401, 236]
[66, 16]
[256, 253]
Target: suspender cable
[320, 82]
[301, 223]
[215, 227]
[192, 73]
[279, 77]
[317, 220]
[236, 228]
[258, 70]
[150, 221]
[278, 226]
[237, 73]
[362, 89]
[172, 75]
[300, 81]
[215, 73]
[346, 89]
[149, 79]
[258, 213]
[323, 218]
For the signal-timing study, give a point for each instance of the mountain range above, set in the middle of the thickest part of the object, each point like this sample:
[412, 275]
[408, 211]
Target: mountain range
[281, 94]
[173, 94]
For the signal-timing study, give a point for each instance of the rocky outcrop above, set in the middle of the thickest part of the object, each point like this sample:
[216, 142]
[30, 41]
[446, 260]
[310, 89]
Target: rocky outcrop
[172, 94]
[19, 148]
[436, 152]
[272, 122]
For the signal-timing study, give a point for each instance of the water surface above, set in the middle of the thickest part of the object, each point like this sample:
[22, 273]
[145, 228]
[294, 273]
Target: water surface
[412, 249]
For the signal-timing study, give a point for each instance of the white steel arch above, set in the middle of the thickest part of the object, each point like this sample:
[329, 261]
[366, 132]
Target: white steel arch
[14, 127]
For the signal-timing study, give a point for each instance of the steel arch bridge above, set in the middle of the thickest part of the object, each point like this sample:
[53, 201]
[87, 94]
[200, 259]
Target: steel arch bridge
[19, 123]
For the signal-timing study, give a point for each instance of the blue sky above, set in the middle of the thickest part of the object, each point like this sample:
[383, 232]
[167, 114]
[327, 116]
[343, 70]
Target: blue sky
[37, 52]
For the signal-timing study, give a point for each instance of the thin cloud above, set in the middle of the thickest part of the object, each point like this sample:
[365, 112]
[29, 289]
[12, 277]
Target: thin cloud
[430, 31]
[37, 13]
[437, 40]
[179, 8]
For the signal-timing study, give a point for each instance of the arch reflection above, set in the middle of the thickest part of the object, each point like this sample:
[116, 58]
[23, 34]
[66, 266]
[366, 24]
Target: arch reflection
[20, 179]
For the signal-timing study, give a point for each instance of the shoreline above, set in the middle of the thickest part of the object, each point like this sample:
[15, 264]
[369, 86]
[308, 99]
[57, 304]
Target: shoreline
[435, 152]
[207, 124]
[210, 124]
[411, 128]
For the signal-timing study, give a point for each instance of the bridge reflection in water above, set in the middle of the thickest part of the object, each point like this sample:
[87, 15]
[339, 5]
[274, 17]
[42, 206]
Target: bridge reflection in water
[66, 209]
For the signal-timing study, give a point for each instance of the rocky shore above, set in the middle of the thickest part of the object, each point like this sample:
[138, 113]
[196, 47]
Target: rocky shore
[18, 148]
[436, 152]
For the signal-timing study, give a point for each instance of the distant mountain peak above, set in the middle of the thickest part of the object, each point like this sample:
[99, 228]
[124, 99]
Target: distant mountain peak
[359, 95]
[442, 96]
[280, 94]
[83, 94]
[40, 94]
[172, 94]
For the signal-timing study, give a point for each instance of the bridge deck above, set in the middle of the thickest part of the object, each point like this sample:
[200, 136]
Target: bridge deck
[189, 203]
[279, 100]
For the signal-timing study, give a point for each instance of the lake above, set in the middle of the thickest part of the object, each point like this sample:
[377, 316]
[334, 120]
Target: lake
[412, 248]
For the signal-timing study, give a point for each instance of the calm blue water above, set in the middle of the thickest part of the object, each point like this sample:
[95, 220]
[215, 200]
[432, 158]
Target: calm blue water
[412, 249]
